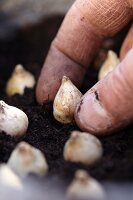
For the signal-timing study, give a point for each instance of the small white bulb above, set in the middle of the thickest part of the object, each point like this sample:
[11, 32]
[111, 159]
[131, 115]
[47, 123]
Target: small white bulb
[9, 178]
[83, 147]
[85, 187]
[19, 80]
[13, 121]
[27, 159]
[109, 64]
[67, 97]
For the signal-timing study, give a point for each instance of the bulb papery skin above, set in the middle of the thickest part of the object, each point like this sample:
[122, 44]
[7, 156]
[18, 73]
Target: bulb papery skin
[109, 64]
[19, 80]
[13, 121]
[84, 187]
[66, 99]
[83, 148]
[27, 159]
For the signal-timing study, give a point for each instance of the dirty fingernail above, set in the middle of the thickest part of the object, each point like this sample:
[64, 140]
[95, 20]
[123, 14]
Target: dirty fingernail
[91, 116]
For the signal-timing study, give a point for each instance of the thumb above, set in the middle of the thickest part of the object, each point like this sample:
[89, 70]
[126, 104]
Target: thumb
[107, 106]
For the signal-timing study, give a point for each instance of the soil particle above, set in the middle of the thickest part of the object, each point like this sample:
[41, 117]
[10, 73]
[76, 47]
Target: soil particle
[97, 95]
[79, 107]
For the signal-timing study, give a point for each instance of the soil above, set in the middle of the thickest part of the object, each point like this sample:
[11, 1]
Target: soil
[29, 47]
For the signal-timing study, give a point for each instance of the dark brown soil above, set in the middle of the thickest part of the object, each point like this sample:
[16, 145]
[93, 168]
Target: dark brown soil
[29, 47]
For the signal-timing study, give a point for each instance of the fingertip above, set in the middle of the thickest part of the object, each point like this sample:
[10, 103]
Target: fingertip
[39, 93]
[56, 66]
[90, 116]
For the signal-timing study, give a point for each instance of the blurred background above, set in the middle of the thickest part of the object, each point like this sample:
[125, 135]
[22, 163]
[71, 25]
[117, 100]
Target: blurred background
[16, 14]
[26, 25]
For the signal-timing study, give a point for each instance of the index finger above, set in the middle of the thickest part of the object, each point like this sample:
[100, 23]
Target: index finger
[84, 28]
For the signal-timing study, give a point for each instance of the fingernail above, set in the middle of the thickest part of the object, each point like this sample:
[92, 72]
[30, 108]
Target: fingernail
[91, 116]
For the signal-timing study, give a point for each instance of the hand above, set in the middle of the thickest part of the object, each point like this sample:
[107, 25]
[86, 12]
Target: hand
[108, 105]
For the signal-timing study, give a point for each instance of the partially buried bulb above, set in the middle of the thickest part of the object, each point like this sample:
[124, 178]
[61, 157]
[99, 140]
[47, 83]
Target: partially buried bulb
[13, 121]
[67, 97]
[27, 159]
[19, 80]
[9, 179]
[84, 187]
[109, 64]
[83, 148]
